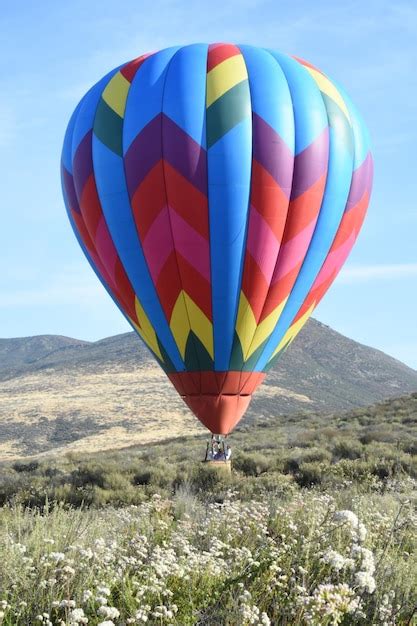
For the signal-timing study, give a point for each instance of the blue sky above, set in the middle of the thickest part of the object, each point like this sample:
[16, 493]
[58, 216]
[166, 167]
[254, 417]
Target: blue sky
[52, 52]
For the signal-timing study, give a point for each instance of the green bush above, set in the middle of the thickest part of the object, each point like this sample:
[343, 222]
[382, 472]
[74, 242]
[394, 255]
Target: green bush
[31, 466]
[377, 434]
[142, 478]
[309, 474]
[206, 478]
[251, 464]
[347, 449]
[88, 475]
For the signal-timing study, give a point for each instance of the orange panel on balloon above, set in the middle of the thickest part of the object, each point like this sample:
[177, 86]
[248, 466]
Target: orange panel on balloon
[219, 414]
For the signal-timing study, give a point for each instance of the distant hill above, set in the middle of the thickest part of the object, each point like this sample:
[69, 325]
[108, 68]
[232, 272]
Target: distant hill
[60, 394]
[24, 352]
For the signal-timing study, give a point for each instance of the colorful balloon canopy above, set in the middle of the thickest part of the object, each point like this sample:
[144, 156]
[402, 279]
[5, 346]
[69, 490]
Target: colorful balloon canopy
[216, 191]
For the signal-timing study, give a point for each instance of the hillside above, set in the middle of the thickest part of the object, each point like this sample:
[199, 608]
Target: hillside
[59, 394]
[25, 352]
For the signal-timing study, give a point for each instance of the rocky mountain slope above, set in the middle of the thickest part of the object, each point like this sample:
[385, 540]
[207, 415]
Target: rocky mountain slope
[59, 394]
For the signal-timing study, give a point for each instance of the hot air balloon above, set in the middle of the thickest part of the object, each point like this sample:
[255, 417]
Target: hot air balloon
[216, 190]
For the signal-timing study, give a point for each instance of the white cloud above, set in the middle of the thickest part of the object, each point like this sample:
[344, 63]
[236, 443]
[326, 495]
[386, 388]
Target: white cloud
[367, 273]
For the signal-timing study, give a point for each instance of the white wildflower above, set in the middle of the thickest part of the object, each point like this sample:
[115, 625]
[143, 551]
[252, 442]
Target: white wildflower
[265, 621]
[108, 611]
[20, 548]
[331, 601]
[77, 616]
[365, 558]
[87, 595]
[162, 612]
[86, 553]
[336, 560]
[365, 581]
[350, 518]
[361, 532]
[67, 604]
[142, 614]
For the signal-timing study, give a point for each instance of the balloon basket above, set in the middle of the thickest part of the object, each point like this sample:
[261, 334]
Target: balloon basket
[221, 467]
[218, 455]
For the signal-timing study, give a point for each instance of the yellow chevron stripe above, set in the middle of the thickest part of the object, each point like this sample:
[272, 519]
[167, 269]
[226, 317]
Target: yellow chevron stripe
[293, 331]
[146, 330]
[179, 324]
[200, 325]
[186, 309]
[145, 339]
[225, 76]
[245, 324]
[115, 93]
[265, 328]
[329, 89]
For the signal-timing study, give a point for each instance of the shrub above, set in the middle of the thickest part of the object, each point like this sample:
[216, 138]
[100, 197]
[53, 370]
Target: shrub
[347, 449]
[161, 476]
[377, 434]
[206, 478]
[31, 466]
[309, 474]
[142, 478]
[320, 455]
[291, 466]
[410, 448]
[88, 475]
[251, 464]
[305, 438]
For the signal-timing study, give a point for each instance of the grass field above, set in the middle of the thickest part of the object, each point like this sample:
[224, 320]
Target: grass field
[317, 525]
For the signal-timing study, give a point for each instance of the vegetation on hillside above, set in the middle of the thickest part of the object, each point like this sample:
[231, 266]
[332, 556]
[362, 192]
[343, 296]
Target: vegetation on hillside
[376, 443]
[316, 525]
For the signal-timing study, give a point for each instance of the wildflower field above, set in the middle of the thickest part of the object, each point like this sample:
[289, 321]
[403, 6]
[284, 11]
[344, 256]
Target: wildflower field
[317, 525]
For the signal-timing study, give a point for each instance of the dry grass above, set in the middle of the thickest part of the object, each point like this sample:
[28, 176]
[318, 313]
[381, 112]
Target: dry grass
[86, 410]
[31, 405]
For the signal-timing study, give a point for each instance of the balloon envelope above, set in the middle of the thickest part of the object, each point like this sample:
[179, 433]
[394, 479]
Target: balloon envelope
[216, 190]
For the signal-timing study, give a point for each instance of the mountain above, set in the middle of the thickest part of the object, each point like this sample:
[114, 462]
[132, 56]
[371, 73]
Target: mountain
[61, 394]
[25, 351]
